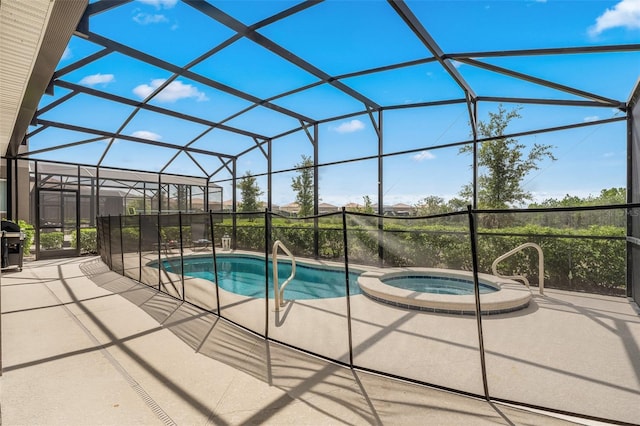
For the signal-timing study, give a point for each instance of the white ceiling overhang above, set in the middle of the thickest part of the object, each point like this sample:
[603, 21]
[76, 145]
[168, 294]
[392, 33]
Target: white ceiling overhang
[33, 37]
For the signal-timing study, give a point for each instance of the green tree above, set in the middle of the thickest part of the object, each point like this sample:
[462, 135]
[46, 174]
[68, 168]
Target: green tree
[302, 185]
[579, 219]
[567, 201]
[612, 196]
[182, 197]
[430, 205]
[250, 191]
[503, 163]
[606, 197]
[367, 205]
[456, 204]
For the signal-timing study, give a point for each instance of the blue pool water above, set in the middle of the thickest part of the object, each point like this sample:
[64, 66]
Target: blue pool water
[437, 284]
[245, 275]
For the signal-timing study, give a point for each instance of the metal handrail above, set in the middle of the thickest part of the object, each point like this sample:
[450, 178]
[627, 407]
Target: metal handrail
[494, 265]
[278, 291]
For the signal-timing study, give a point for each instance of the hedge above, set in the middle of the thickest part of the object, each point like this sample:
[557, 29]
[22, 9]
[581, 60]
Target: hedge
[88, 242]
[574, 259]
[29, 234]
[51, 240]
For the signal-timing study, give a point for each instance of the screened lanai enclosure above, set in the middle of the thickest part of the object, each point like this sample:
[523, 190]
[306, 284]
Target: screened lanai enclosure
[68, 198]
[214, 149]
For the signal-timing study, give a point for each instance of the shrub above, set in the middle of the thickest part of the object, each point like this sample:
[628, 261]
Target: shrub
[130, 239]
[29, 233]
[575, 262]
[88, 240]
[51, 240]
[170, 235]
[587, 259]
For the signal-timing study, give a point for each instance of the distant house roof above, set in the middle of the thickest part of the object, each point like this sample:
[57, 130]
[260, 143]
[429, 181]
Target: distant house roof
[326, 207]
[262, 204]
[291, 207]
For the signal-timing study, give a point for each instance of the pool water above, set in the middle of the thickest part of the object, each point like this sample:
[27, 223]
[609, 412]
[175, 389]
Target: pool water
[437, 284]
[245, 275]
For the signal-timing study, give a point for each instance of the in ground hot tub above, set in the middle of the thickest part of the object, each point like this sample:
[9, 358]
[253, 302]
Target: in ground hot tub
[443, 290]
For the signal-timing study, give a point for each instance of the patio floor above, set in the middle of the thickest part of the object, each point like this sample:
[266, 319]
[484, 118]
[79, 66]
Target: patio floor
[84, 345]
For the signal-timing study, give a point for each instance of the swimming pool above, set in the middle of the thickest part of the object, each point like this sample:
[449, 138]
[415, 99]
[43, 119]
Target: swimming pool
[424, 289]
[244, 275]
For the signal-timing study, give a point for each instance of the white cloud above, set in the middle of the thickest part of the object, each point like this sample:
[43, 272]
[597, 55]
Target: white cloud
[94, 79]
[609, 154]
[624, 14]
[423, 155]
[67, 53]
[174, 91]
[145, 134]
[146, 18]
[160, 4]
[591, 118]
[350, 126]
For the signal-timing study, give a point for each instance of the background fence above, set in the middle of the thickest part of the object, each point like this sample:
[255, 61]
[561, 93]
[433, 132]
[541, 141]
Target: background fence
[223, 262]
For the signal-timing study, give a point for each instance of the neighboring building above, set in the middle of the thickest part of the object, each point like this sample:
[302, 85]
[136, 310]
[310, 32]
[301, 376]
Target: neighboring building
[327, 208]
[401, 209]
[227, 206]
[291, 209]
[352, 206]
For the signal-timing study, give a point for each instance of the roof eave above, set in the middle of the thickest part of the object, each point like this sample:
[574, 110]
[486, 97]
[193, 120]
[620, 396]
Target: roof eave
[35, 35]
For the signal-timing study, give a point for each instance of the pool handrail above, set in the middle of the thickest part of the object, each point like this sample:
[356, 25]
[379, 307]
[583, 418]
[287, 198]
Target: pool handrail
[494, 265]
[278, 291]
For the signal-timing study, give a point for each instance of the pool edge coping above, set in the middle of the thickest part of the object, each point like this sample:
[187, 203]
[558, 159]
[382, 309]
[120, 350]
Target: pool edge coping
[512, 296]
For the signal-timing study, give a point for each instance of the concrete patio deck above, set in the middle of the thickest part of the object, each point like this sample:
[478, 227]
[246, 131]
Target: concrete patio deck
[82, 345]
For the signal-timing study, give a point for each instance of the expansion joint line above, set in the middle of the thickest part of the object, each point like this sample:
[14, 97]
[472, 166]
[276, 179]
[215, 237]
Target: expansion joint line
[148, 400]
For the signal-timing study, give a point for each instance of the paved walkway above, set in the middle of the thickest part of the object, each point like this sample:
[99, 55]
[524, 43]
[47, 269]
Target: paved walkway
[82, 345]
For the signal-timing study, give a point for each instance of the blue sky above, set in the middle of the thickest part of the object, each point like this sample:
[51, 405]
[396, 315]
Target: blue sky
[341, 37]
